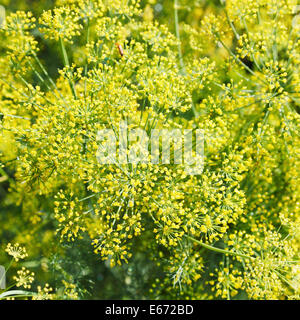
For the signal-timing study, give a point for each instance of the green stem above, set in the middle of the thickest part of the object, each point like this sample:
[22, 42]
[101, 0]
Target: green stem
[183, 70]
[178, 35]
[86, 60]
[67, 64]
[207, 246]
[47, 75]
[235, 57]
[284, 279]
[248, 35]
[232, 26]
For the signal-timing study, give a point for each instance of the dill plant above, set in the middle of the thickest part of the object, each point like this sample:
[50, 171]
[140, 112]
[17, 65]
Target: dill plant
[22, 280]
[231, 232]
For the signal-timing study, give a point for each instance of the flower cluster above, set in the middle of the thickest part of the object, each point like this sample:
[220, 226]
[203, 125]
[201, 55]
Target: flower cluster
[229, 232]
[24, 278]
[43, 293]
[16, 251]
